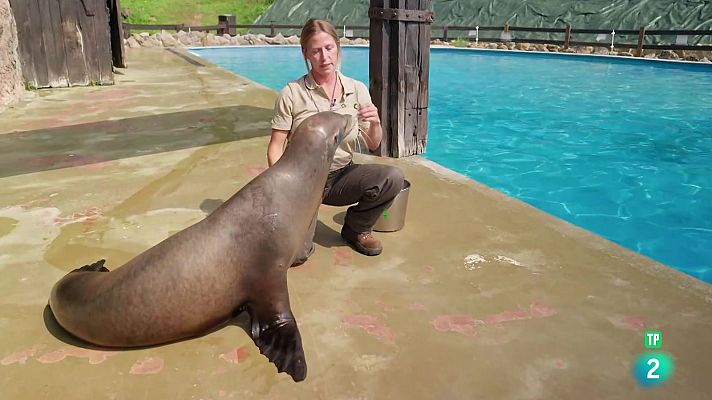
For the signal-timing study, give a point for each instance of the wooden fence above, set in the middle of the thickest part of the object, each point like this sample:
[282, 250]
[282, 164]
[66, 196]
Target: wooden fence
[471, 33]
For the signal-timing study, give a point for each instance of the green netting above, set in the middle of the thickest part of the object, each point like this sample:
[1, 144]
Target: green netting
[581, 14]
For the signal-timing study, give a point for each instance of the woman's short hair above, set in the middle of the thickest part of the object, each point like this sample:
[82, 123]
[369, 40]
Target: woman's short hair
[311, 28]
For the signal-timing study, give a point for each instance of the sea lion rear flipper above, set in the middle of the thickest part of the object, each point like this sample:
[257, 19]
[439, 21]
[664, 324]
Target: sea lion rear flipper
[276, 334]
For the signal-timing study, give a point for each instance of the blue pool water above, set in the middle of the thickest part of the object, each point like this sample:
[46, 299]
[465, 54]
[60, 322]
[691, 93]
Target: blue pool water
[620, 147]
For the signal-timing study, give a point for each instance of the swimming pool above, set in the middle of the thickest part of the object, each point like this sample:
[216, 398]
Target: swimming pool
[620, 147]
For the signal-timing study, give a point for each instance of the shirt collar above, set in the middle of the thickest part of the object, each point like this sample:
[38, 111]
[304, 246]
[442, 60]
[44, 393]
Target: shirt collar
[347, 83]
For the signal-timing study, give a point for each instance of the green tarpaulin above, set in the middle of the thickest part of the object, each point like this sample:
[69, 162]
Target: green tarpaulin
[588, 14]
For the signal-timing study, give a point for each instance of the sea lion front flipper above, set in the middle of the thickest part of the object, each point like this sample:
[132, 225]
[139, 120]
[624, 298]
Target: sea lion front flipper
[275, 331]
[95, 267]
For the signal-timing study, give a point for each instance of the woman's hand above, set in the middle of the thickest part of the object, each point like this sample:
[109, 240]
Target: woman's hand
[368, 113]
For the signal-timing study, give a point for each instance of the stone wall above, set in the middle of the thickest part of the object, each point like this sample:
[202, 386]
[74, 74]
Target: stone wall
[10, 77]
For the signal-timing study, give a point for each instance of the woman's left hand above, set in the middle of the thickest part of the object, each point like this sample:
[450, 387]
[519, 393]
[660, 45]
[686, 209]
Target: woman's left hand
[368, 113]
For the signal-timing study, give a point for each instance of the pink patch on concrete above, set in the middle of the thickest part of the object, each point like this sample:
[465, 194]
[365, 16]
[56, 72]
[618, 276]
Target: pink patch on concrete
[94, 356]
[372, 325]
[41, 161]
[633, 323]
[255, 170]
[88, 217]
[149, 366]
[89, 162]
[429, 268]
[463, 324]
[236, 356]
[507, 316]
[560, 364]
[385, 307]
[540, 309]
[343, 256]
[417, 307]
[21, 357]
[536, 310]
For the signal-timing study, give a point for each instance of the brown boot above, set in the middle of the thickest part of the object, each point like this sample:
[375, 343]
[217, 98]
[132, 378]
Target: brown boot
[364, 242]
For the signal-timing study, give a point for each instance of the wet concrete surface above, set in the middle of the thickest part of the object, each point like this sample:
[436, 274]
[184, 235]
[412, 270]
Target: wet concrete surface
[479, 296]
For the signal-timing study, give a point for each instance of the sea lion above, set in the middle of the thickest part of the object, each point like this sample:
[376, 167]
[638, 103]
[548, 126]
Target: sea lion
[235, 259]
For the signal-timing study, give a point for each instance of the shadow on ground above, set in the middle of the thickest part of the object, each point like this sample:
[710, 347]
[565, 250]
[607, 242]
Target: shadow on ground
[76, 145]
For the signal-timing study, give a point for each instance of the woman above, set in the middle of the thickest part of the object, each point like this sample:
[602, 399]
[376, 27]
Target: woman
[371, 186]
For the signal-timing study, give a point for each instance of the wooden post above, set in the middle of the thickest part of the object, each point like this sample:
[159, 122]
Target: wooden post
[116, 29]
[445, 33]
[271, 29]
[641, 40]
[224, 20]
[567, 38]
[399, 69]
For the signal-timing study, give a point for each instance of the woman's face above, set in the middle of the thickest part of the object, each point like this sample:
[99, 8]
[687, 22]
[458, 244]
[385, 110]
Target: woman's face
[322, 53]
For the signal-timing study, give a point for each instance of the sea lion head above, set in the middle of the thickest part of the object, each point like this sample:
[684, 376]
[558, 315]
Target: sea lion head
[321, 133]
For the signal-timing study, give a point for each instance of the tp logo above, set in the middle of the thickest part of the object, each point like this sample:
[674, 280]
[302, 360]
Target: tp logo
[653, 368]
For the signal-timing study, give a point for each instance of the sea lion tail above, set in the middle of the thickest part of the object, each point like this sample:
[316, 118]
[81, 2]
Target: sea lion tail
[95, 267]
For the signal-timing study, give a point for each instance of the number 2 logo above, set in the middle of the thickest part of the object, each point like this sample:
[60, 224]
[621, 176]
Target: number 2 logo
[653, 368]
[651, 372]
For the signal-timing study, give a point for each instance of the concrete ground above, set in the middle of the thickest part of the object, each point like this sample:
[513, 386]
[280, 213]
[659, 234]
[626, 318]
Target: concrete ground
[479, 296]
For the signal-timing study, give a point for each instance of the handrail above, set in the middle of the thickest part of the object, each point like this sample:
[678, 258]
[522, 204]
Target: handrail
[222, 28]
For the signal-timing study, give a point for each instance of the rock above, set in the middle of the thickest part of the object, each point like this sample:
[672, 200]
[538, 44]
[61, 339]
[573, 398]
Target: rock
[553, 47]
[260, 39]
[209, 40]
[541, 47]
[569, 50]
[601, 51]
[360, 41]
[492, 46]
[650, 55]
[239, 41]
[221, 41]
[278, 39]
[184, 38]
[692, 57]
[668, 55]
[586, 50]
[144, 34]
[522, 46]
[196, 36]
[705, 60]
[625, 54]
[294, 39]
[132, 43]
[167, 39]
[344, 41]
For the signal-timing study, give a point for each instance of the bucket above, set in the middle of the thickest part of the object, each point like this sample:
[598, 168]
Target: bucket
[393, 218]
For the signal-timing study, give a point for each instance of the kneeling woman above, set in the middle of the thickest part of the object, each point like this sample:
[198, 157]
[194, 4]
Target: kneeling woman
[369, 188]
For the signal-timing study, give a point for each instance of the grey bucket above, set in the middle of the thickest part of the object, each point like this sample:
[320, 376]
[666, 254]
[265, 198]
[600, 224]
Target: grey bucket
[393, 219]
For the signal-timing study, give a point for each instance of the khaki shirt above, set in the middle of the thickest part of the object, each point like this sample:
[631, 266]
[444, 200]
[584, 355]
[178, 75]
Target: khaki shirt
[303, 98]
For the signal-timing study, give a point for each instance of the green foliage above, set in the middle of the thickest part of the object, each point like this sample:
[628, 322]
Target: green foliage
[192, 12]
[460, 42]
